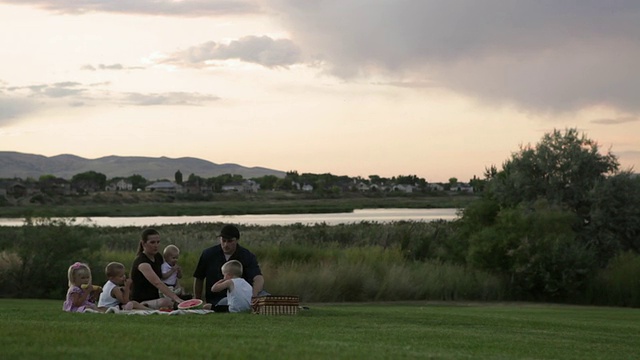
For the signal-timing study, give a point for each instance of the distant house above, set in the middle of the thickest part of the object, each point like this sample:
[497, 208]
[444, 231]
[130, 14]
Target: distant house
[165, 186]
[462, 187]
[362, 187]
[194, 187]
[403, 187]
[120, 185]
[307, 187]
[435, 187]
[55, 186]
[246, 186]
[13, 188]
[233, 187]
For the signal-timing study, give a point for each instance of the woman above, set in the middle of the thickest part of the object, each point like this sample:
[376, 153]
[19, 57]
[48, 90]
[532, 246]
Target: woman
[146, 274]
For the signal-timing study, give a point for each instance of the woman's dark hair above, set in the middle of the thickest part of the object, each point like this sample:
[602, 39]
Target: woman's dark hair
[144, 237]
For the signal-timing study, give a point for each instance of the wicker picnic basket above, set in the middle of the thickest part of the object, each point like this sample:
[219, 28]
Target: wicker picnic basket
[275, 305]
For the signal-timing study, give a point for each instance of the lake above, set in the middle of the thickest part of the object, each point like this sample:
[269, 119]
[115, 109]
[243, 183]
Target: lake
[358, 215]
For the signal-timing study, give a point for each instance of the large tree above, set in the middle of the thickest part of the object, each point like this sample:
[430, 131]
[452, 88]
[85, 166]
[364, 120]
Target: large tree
[89, 181]
[563, 168]
[137, 181]
[534, 224]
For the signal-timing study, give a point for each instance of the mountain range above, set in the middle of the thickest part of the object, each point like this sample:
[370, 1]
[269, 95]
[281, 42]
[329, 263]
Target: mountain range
[21, 165]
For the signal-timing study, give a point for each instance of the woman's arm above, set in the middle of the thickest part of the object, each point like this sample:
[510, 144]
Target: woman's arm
[151, 276]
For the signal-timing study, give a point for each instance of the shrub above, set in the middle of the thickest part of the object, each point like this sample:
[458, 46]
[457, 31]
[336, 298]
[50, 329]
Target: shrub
[537, 249]
[44, 251]
[618, 284]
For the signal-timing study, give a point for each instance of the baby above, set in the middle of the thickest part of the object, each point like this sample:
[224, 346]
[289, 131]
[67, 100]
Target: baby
[171, 271]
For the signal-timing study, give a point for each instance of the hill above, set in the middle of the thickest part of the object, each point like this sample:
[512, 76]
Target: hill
[21, 165]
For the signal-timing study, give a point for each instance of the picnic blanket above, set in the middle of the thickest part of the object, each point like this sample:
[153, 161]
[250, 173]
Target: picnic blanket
[115, 310]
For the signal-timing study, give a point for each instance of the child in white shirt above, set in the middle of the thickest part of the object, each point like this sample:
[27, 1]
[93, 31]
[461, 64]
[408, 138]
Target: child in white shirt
[239, 291]
[115, 291]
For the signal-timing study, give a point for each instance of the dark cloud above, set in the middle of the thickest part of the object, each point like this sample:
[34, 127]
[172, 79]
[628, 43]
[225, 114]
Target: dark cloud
[172, 98]
[190, 8]
[12, 109]
[261, 50]
[544, 55]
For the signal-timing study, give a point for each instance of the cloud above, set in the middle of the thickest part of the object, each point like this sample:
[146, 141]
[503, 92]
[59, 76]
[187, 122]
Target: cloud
[542, 56]
[616, 121]
[190, 8]
[16, 102]
[116, 67]
[19, 101]
[55, 90]
[173, 98]
[261, 50]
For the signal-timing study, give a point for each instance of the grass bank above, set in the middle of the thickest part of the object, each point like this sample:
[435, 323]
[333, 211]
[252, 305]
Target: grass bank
[39, 329]
[118, 204]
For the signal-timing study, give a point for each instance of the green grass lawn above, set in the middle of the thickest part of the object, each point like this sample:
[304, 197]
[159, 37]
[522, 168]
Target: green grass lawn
[39, 329]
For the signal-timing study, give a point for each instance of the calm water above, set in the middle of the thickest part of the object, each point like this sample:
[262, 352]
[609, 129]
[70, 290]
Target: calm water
[377, 215]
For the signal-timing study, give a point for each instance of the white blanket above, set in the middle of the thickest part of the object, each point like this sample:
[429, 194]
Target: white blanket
[115, 310]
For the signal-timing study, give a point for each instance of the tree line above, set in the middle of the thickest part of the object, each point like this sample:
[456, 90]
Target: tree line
[93, 181]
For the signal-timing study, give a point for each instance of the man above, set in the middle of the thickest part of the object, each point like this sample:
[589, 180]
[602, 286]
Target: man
[211, 261]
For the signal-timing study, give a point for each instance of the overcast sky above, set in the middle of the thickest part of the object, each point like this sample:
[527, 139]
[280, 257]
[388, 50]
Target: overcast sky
[437, 89]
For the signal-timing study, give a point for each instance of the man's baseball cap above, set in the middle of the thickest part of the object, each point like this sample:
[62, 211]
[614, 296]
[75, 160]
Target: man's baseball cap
[230, 232]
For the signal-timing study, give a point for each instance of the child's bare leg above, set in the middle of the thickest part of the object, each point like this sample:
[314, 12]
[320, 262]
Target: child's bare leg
[135, 305]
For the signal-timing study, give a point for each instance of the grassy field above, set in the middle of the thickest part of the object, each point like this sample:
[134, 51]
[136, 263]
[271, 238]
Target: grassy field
[39, 329]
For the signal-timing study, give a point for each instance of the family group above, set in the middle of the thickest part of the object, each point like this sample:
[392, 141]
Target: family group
[229, 273]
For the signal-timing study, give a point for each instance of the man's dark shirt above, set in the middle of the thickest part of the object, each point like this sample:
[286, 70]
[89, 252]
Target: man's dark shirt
[210, 264]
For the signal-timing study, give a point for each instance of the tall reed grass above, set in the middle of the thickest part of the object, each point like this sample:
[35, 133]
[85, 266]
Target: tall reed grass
[321, 263]
[618, 284]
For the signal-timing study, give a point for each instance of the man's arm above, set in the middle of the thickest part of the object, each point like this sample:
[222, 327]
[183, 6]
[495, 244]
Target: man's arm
[258, 284]
[197, 288]
[199, 276]
[252, 273]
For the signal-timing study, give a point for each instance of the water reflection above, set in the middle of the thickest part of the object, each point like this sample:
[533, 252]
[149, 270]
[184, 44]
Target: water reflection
[371, 215]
